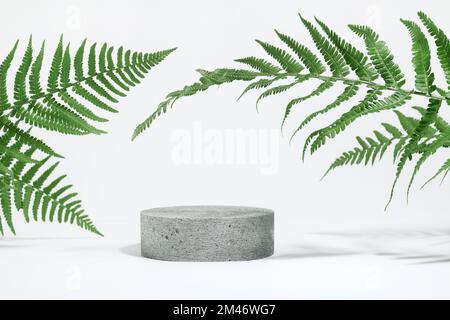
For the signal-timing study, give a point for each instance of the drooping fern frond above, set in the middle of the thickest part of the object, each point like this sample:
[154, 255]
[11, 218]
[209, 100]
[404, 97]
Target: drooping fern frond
[39, 199]
[336, 62]
[371, 149]
[77, 93]
[445, 168]
[370, 104]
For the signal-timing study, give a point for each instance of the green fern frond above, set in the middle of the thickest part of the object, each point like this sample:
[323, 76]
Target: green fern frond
[321, 88]
[207, 80]
[20, 91]
[369, 148]
[97, 87]
[392, 130]
[365, 106]
[412, 145]
[259, 64]
[421, 58]
[4, 67]
[333, 58]
[439, 123]
[445, 168]
[35, 196]
[381, 56]
[307, 57]
[260, 84]
[423, 136]
[349, 92]
[425, 122]
[74, 88]
[286, 61]
[366, 153]
[34, 79]
[357, 60]
[279, 89]
[442, 44]
[25, 137]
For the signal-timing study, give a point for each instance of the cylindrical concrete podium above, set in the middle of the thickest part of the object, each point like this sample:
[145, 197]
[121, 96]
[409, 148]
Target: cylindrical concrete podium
[207, 233]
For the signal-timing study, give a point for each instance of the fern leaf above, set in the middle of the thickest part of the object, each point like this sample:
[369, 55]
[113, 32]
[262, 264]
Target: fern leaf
[34, 79]
[316, 92]
[423, 136]
[37, 115]
[5, 201]
[333, 58]
[92, 72]
[25, 137]
[259, 65]
[369, 149]
[364, 154]
[260, 84]
[221, 76]
[63, 106]
[8, 141]
[79, 107]
[421, 58]
[399, 148]
[442, 44]
[78, 62]
[340, 124]
[440, 123]
[4, 67]
[286, 61]
[20, 91]
[33, 193]
[392, 130]
[162, 107]
[208, 79]
[381, 56]
[427, 119]
[15, 153]
[90, 97]
[55, 69]
[107, 78]
[349, 92]
[78, 95]
[357, 60]
[369, 105]
[279, 89]
[73, 120]
[43, 201]
[306, 56]
[65, 67]
[154, 58]
[444, 168]
[409, 149]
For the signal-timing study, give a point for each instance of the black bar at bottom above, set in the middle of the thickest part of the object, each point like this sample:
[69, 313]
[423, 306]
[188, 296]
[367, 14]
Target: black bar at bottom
[228, 309]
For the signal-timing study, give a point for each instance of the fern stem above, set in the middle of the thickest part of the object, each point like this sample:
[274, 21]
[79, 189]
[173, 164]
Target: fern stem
[371, 84]
[379, 86]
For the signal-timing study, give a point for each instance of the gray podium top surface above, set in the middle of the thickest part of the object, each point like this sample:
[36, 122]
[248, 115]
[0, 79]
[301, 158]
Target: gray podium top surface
[206, 212]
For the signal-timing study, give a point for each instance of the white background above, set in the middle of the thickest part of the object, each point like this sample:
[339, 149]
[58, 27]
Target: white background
[333, 239]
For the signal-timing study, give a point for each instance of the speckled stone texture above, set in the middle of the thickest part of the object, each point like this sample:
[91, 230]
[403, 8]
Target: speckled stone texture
[207, 233]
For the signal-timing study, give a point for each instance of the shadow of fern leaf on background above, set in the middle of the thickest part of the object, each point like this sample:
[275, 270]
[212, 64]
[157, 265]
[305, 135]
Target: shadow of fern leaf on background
[77, 89]
[413, 246]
